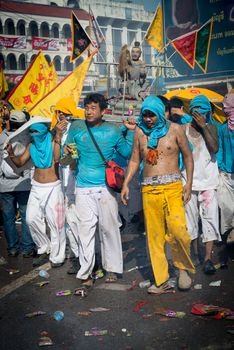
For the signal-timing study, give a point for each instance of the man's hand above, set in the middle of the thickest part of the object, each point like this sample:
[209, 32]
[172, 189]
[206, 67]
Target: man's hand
[125, 195]
[199, 120]
[61, 127]
[130, 123]
[9, 150]
[176, 110]
[67, 149]
[187, 189]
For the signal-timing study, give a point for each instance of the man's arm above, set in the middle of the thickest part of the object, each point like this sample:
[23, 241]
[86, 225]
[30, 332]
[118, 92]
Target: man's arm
[60, 129]
[220, 153]
[133, 165]
[188, 162]
[208, 131]
[124, 144]
[18, 160]
[210, 135]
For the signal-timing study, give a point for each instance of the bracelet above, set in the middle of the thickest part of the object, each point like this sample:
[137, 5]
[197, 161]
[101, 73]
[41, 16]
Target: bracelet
[57, 141]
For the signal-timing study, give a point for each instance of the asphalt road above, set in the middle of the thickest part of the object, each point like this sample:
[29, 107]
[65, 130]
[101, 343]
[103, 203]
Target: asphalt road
[126, 327]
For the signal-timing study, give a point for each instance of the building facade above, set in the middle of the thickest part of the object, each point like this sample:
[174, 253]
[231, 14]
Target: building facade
[35, 20]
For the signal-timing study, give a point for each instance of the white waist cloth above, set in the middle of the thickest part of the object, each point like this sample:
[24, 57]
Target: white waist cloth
[46, 203]
[97, 207]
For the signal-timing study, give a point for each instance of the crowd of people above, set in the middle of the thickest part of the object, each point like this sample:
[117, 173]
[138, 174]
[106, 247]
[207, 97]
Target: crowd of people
[179, 170]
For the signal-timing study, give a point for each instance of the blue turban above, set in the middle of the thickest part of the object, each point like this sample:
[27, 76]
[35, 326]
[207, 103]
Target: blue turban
[160, 129]
[202, 105]
[41, 150]
[185, 119]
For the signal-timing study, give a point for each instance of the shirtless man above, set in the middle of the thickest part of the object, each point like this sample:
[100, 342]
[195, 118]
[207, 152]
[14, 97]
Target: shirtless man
[46, 199]
[158, 143]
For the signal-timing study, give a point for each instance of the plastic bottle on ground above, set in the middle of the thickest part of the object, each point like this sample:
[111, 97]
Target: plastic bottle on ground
[58, 315]
[44, 274]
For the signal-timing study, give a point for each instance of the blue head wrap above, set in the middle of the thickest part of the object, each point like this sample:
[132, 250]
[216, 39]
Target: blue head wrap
[160, 129]
[201, 104]
[185, 119]
[41, 150]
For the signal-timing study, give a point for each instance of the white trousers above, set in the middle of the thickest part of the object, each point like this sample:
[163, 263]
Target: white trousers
[97, 207]
[203, 204]
[46, 204]
[226, 201]
[71, 225]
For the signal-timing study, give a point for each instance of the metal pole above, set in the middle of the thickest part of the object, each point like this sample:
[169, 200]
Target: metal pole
[108, 79]
[124, 92]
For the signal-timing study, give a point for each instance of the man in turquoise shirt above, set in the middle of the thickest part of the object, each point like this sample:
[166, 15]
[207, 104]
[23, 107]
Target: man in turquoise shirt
[96, 203]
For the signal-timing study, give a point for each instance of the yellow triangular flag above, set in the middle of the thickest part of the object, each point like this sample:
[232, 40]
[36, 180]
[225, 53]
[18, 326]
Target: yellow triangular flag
[154, 35]
[70, 86]
[3, 84]
[36, 82]
[52, 75]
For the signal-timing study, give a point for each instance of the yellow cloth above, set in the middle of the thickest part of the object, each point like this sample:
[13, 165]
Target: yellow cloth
[68, 106]
[154, 35]
[38, 80]
[165, 222]
[70, 86]
[3, 84]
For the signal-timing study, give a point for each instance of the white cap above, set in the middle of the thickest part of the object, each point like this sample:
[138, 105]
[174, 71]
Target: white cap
[18, 116]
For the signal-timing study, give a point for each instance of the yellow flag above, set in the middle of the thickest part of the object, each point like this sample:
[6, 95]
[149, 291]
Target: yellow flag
[36, 82]
[70, 86]
[3, 84]
[52, 74]
[154, 35]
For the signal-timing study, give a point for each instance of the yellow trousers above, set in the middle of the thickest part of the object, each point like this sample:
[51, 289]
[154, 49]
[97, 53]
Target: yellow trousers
[165, 222]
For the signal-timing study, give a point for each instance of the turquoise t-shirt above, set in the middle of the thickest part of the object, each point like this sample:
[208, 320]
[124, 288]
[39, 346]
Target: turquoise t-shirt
[90, 167]
[225, 155]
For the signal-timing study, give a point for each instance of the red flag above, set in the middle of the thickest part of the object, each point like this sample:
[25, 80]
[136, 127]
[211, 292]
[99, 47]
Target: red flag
[186, 47]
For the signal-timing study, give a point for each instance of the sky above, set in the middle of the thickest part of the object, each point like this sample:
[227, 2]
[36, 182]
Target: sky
[150, 5]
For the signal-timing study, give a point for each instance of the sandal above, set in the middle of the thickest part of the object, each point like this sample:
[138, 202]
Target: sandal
[164, 288]
[111, 277]
[81, 292]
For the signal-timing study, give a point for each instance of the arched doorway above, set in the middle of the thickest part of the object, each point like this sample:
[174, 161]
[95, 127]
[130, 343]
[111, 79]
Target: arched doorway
[9, 27]
[57, 63]
[66, 31]
[22, 62]
[11, 62]
[55, 31]
[21, 28]
[48, 59]
[33, 29]
[45, 31]
[68, 66]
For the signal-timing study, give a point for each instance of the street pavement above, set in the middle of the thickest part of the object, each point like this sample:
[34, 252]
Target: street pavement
[130, 321]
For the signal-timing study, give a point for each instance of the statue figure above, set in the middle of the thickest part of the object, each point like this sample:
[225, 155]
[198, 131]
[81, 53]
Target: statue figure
[132, 71]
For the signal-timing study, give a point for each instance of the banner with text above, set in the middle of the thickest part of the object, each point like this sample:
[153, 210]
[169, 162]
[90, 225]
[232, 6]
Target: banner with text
[45, 44]
[17, 42]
